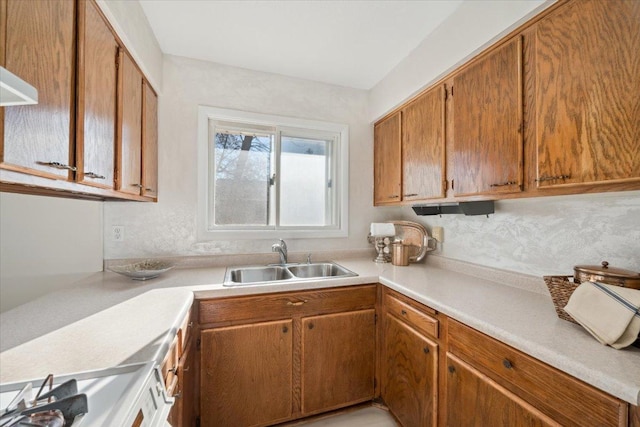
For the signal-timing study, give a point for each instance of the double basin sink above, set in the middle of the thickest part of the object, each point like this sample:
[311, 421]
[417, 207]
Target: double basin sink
[236, 276]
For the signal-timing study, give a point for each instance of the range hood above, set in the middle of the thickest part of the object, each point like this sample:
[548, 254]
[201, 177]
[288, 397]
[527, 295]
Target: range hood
[466, 208]
[15, 91]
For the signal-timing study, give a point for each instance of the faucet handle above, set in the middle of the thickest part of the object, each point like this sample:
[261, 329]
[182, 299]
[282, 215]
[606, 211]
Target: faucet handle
[309, 258]
[283, 244]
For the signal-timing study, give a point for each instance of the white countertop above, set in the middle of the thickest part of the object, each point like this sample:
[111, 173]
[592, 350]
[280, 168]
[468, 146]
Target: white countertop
[109, 320]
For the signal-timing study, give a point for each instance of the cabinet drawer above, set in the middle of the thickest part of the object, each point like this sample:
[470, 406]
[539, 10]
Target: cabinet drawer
[288, 304]
[411, 315]
[562, 397]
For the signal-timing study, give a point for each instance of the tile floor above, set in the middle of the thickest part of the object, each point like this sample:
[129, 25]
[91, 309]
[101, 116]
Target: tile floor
[370, 416]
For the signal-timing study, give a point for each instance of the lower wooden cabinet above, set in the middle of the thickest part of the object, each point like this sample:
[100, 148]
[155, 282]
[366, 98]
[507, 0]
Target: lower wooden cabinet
[409, 380]
[473, 399]
[246, 374]
[338, 360]
[270, 358]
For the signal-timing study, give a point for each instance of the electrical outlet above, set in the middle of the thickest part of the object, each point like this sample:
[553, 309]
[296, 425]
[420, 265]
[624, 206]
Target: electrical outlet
[438, 234]
[117, 233]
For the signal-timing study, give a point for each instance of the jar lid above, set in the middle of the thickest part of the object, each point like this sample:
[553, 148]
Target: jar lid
[605, 270]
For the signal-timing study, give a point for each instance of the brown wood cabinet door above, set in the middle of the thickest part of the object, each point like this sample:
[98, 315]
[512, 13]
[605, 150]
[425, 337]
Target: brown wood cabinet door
[423, 146]
[38, 139]
[487, 150]
[387, 168]
[149, 142]
[338, 360]
[587, 69]
[246, 374]
[130, 127]
[409, 377]
[97, 90]
[473, 399]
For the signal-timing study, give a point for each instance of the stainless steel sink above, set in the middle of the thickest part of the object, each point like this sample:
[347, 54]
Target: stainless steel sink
[237, 276]
[324, 269]
[258, 274]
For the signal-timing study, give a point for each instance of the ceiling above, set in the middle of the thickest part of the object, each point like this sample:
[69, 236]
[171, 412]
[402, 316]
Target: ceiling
[352, 43]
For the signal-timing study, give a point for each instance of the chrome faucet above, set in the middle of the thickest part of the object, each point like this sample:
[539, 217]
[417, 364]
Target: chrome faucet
[280, 247]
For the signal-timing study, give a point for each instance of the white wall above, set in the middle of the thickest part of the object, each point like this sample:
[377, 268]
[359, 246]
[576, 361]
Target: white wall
[169, 227]
[45, 244]
[473, 25]
[547, 235]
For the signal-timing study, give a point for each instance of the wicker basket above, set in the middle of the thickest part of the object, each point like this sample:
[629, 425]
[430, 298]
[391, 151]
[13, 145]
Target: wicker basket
[561, 288]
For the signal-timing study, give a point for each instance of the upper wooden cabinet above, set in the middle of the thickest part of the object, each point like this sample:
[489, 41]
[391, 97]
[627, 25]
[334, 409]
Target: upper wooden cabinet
[86, 136]
[39, 46]
[97, 89]
[487, 124]
[149, 142]
[551, 109]
[587, 87]
[387, 170]
[129, 177]
[423, 146]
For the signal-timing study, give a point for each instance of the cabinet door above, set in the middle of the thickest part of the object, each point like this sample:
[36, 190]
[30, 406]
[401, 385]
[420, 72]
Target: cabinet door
[473, 399]
[130, 127]
[37, 139]
[338, 360]
[409, 378]
[587, 68]
[149, 142]
[387, 168]
[423, 161]
[97, 90]
[246, 374]
[487, 124]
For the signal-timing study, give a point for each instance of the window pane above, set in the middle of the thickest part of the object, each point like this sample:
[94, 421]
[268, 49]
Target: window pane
[241, 178]
[305, 197]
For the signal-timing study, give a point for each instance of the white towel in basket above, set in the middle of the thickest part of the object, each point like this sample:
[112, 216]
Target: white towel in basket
[610, 313]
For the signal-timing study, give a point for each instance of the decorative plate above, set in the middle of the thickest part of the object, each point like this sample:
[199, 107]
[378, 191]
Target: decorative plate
[143, 270]
[416, 236]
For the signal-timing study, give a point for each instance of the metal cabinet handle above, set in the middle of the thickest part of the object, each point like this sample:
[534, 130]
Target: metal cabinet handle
[393, 197]
[552, 178]
[94, 175]
[507, 363]
[452, 369]
[137, 185]
[411, 195]
[311, 326]
[285, 329]
[174, 370]
[504, 184]
[178, 395]
[58, 165]
[148, 189]
[426, 350]
[186, 369]
[404, 312]
[296, 303]
[190, 325]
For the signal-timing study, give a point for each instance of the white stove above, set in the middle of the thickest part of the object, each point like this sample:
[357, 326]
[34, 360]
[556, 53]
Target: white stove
[132, 395]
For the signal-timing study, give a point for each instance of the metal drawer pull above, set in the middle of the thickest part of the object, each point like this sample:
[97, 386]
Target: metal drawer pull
[174, 370]
[148, 189]
[296, 303]
[426, 350]
[507, 363]
[58, 165]
[504, 184]
[411, 195]
[94, 175]
[137, 185]
[552, 178]
[393, 197]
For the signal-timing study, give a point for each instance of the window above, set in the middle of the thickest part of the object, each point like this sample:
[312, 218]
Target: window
[266, 176]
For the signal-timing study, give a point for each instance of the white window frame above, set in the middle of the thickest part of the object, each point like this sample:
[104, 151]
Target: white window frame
[283, 125]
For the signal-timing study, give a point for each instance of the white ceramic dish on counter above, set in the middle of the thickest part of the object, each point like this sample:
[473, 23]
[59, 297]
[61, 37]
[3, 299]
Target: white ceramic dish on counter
[143, 270]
